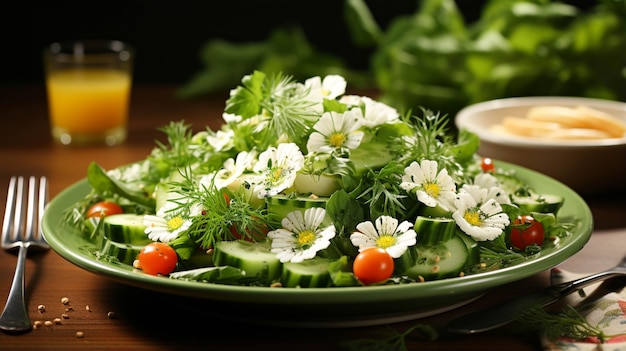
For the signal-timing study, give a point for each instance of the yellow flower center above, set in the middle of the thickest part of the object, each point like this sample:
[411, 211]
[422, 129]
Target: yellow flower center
[385, 241]
[325, 92]
[275, 175]
[432, 189]
[175, 223]
[337, 139]
[473, 218]
[305, 238]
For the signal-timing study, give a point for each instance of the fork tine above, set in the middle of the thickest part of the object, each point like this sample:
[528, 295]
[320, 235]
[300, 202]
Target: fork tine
[31, 210]
[20, 207]
[41, 204]
[9, 211]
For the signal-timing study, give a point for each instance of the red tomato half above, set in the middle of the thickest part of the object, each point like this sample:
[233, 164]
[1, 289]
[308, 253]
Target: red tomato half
[487, 165]
[526, 231]
[104, 208]
[157, 258]
[373, 265]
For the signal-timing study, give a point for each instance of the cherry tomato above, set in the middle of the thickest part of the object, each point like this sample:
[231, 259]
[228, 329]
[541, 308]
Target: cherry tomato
[526, 231]
[373, 265]
[157, 258]
[104, 208]
[487, 165]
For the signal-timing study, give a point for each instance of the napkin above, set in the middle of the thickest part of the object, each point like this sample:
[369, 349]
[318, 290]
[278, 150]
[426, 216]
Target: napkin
[603, 305]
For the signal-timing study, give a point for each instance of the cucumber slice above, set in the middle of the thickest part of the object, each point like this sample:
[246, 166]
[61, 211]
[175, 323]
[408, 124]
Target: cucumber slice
[125, 228]
[253, 258]
[443, 260]
[320, 185]
[279, 206]
[311, 273]
[473, 249]
[124, 253]
[431, 231]
[542, 203]
[406, 261]
[166, 190]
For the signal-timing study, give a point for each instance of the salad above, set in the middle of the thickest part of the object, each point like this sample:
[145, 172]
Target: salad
[305, 185]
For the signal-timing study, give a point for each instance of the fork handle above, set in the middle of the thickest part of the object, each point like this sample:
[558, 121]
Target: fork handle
[14, 318]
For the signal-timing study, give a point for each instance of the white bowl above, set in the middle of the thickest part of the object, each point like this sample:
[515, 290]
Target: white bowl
[587, 166]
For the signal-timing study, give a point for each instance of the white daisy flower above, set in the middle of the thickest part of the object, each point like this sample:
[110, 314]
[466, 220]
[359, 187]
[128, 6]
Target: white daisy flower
[431, 188]
[302, 235]
[482, 222]
[221, 140]
[486, 187]
[351, 100]
[231, 117]
[230, 171]
[130, 174]
[330, 87]
[166, 225]
[375, 113]
[336, 131]
[387, 235]
[277, 168]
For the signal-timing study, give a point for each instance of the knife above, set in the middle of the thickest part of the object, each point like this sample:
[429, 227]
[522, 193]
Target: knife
[500, 315]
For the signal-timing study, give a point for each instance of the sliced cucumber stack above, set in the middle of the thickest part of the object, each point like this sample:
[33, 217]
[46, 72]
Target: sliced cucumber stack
[253, 258]
[311, 273]
[123, 237]
[127, 228]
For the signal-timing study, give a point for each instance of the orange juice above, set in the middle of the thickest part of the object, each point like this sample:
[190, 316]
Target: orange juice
[88, 104]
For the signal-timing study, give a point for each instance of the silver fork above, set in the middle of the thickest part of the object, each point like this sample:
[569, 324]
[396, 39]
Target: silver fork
[21, 230]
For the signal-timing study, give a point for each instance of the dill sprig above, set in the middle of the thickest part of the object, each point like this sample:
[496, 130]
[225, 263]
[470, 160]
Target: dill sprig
[291, 110]
[569, 323]
[393, 341]
[225, 215]
[176, 152]
[383, 194]
[433, 141]
[281, 103]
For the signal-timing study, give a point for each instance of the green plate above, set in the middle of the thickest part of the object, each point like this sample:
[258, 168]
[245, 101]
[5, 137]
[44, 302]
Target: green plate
[314, 307]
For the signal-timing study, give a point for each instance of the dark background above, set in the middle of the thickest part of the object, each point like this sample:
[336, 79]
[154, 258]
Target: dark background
[168, 35]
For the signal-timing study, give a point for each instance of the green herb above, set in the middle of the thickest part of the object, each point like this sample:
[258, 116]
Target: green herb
[107, 186]
[225, 215]
[569, 323]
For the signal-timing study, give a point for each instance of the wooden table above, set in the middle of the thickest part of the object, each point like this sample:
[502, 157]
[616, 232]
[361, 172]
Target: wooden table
[153, 321]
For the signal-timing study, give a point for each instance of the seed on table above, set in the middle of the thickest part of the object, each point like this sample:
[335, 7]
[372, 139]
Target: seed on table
[111, 315]
[48, 323]
[80, 334]
[57, 321]
[41, 308]
[37, 324]
[65, 316]
[65, 300]
[87, 308]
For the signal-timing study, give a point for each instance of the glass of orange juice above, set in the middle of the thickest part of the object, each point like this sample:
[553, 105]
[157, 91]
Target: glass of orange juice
[88, 85]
